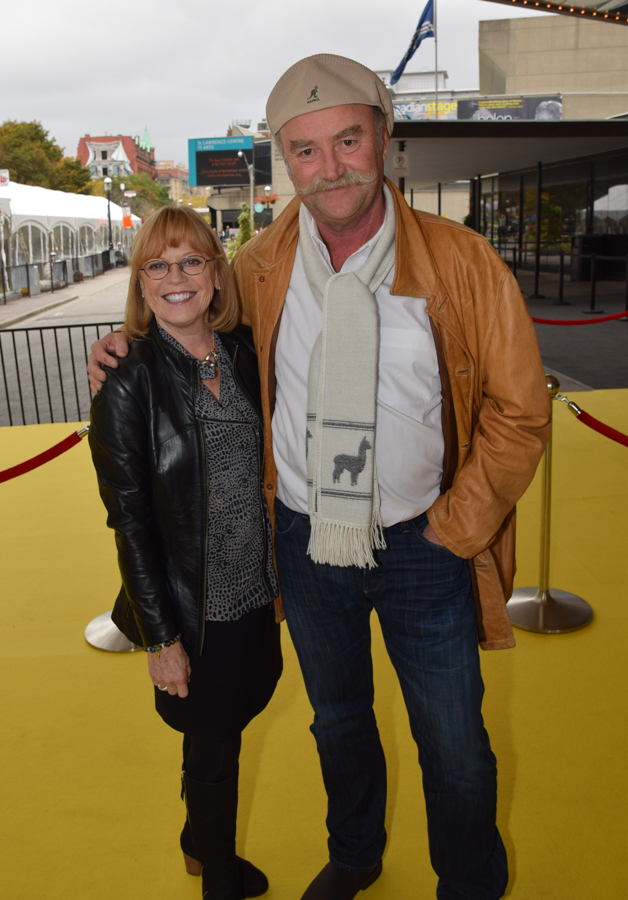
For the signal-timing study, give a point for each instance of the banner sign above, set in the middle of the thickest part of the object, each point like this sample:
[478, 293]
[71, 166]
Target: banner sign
[215, 161]
[509, 108]
[4, 178]
[417, 110]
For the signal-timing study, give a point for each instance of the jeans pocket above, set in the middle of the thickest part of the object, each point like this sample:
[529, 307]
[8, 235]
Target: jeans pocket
[437, 548]
[285, 519]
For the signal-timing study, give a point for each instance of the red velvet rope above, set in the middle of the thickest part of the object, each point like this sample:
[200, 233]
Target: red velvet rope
[606, 430]
[41, 458]
[620, 315]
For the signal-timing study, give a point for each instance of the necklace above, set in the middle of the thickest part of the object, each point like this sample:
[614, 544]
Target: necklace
[209, 363]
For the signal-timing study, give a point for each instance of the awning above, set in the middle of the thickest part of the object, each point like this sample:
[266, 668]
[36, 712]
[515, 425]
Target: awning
[461, 150]
[612, 11]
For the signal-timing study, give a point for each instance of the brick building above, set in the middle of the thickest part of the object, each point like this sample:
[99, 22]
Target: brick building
[117, 155]
[173, 178]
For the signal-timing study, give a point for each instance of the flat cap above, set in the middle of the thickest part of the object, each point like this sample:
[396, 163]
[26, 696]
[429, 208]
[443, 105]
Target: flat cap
[323, 81]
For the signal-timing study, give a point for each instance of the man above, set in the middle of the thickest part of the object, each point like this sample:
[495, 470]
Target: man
[405, 413]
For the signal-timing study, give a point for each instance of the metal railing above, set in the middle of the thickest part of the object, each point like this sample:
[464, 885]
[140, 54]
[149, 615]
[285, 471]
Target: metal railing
[37, 278]
[42, 373]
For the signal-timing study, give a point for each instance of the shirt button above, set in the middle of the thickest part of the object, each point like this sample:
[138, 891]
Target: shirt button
[269, 487]
[262, 278]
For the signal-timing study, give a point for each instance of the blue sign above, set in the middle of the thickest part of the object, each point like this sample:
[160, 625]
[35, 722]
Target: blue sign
[215, 160]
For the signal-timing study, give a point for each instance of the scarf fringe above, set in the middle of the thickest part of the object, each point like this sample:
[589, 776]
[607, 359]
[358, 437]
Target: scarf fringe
[338, 544]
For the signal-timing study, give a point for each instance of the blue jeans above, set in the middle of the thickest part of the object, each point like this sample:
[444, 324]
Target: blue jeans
[422, 595]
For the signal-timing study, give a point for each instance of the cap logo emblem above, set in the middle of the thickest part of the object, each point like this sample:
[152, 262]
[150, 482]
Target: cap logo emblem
[314, 95]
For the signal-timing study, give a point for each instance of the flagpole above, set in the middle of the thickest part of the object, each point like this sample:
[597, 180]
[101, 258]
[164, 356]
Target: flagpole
[435, 64]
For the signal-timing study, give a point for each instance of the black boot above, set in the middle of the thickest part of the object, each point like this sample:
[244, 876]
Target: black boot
[253, 882]
[212, 810]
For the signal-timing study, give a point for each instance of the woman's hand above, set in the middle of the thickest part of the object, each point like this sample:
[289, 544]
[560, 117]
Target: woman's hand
[172, 669]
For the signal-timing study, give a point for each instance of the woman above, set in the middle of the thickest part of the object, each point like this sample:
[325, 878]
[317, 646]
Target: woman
[177, 443]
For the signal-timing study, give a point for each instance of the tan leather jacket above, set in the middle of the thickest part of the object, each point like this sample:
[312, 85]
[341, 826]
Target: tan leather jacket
[495, 400]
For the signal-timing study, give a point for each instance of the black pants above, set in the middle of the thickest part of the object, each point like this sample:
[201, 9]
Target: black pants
[210, 761]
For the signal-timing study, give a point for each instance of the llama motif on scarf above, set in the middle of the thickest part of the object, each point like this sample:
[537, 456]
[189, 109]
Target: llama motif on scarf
[353, 464]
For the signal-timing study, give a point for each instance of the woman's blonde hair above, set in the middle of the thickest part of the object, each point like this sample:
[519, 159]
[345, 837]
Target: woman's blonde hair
[172, 226]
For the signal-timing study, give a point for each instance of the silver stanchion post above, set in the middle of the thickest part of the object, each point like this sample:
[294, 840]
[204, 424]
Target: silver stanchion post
[541, 609]
[104, 635]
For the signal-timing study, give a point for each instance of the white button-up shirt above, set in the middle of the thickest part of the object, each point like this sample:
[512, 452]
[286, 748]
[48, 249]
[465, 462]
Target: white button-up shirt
[409, 442]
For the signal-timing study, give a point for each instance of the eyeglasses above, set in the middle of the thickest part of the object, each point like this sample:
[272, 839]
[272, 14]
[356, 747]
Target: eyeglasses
[159, 268]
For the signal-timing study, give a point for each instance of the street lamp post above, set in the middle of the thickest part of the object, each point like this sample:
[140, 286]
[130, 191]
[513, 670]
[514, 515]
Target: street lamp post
[52, 271]
[251, 171]
[107, 183]
[125, 212]
[267, 191]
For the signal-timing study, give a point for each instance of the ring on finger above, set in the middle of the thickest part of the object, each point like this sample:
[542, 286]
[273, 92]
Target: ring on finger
[164, 688]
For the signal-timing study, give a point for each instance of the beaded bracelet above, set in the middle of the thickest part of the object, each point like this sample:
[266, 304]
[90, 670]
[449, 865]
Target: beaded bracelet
[157, 647]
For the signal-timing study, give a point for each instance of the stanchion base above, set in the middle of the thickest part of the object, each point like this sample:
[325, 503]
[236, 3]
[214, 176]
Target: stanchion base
[104, 635]
[593, 312]
[548, 612]
[561, 303]
[537, 297]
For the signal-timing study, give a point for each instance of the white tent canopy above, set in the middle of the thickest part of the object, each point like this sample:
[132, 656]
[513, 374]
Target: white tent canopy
[40, 224]
[28, 203]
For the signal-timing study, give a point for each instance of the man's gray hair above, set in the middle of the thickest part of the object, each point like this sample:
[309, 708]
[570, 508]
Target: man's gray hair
[380, 125]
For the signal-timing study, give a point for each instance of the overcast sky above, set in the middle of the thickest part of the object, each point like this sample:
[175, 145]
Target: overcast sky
[188, 68]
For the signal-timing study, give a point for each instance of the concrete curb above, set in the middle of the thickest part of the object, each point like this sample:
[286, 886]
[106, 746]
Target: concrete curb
[35, 312]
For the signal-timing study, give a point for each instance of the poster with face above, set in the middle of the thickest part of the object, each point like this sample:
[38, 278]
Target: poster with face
[505, 109]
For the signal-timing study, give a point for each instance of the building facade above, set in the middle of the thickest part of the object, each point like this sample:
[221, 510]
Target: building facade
[117, 155]
[583, 60]
[174, 178]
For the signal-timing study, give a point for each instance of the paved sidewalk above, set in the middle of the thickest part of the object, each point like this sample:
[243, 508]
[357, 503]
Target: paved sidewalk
[23, 310]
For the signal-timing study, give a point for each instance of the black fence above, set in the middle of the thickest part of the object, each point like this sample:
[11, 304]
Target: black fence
[37, 278]
[43, 373]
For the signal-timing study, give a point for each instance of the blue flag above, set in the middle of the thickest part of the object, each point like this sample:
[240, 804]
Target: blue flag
[424, 29]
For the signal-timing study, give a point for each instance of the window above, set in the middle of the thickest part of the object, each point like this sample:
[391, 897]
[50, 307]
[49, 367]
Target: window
[30, 245]
[103, 154]
[63, 242]
[94, 171]
[105, 171]
[87, 237]
[116, 170]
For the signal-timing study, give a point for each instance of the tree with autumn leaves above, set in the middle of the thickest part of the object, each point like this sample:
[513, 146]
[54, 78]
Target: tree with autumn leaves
[33, 157]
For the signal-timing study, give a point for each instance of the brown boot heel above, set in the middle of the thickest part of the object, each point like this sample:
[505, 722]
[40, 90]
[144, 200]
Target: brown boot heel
[192, 866]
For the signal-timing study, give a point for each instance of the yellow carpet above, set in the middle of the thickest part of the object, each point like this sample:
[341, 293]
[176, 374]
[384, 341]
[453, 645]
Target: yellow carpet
[89, 803]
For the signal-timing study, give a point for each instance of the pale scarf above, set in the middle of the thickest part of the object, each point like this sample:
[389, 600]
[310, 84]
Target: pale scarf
[343, 494]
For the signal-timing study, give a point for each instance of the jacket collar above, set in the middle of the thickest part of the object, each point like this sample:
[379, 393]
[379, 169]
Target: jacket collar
[416, 274]
[180, 364]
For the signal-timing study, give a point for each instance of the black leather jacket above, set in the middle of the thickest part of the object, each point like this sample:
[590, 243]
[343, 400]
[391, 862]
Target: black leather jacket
[149, 452]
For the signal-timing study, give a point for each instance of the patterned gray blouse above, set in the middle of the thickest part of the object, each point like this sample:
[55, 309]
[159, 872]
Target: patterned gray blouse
[240, 572]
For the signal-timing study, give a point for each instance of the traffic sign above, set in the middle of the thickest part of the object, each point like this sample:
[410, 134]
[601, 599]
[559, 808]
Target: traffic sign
[400, 165]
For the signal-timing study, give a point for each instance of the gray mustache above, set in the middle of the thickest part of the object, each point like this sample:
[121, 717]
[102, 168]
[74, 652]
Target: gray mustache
[349, 179]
